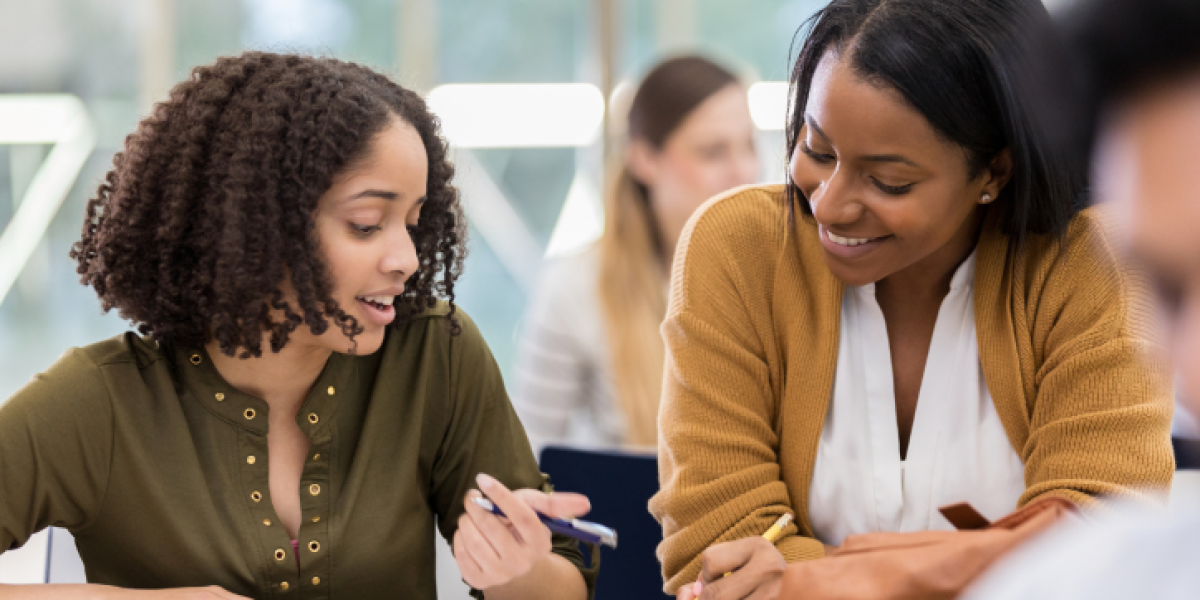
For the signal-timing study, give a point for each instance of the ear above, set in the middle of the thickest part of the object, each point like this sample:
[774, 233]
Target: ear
[997, 174]
[642, 160]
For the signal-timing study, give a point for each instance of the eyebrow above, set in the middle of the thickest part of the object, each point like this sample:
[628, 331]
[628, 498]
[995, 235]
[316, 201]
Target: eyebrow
[373, 194]
[380, 194]
[876, 158]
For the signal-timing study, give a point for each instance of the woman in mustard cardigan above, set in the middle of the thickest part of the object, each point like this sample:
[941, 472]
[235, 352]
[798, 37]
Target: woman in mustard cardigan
[921, 316]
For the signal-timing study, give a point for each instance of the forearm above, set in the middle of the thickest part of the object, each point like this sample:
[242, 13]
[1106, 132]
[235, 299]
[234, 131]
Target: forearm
[553, 577]
[59, 592]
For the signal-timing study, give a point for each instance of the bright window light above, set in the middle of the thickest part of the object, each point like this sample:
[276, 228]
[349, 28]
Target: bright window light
[518, 115]
[768, 104]
[57, 119]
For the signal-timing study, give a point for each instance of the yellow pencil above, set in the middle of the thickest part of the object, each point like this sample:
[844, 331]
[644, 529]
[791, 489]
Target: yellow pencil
[772, 534]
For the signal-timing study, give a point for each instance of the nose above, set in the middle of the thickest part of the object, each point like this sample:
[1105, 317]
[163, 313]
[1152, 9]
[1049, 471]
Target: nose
[400, 255]
[832, 199]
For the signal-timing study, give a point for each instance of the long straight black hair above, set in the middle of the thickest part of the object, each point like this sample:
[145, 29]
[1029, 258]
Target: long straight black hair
[975, 69]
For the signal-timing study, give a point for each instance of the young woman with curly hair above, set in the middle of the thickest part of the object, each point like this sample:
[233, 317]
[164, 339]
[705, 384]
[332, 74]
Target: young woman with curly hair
[303, 205]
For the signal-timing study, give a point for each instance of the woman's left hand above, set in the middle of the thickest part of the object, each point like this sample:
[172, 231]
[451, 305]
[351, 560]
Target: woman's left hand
[492, 551]
[755, 569]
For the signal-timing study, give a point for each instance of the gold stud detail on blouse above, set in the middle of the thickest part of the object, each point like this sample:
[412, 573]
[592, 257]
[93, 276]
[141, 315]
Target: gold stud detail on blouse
[313, 418]
[330, 390]
[249, 414]
[314, 546]
[283, 586]
[250, 460]
[280, 554]
[267, 522]
[314, 489]
[256, 496]
[196, 359]
[317, 456]
[220, 396]
[316, 581]
[316, 519]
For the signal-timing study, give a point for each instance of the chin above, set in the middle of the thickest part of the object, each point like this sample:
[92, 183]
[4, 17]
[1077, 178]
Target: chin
[849, 275]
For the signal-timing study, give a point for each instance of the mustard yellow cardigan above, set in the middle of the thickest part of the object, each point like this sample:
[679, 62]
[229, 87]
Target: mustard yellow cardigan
[1082, 388]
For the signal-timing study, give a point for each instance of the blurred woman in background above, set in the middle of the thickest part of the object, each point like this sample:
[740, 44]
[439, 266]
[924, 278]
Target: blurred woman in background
[590, 370]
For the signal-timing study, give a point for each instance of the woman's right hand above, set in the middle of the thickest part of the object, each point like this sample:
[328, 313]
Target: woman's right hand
[750, 568]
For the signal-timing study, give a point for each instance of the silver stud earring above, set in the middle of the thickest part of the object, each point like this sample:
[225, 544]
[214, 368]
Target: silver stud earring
[985, 198]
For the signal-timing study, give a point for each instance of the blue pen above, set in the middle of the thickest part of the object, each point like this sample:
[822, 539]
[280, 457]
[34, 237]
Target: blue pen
[583, 531]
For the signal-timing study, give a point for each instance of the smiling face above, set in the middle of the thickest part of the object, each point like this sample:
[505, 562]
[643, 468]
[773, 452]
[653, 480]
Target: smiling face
[888, 193]
[364, 223]
[1144, 165]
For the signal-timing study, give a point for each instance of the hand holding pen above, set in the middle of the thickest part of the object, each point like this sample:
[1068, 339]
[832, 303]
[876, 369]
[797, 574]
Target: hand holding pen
[749, 568]
[493, 551]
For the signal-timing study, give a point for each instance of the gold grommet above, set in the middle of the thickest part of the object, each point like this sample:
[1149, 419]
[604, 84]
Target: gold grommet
[317, 456]
[314, 546]
[220, 396]
[267, 522]
[316, 519]
[196, 359]
[313, 418]
[249, 414]
[316, 581]
[283, 586]
[280, 554]
[330, 390]
[256, 496]
[250, 460]
[314, 489]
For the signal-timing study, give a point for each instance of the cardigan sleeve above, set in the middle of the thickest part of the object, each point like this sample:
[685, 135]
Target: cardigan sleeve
[719, 469]
[1100, 420]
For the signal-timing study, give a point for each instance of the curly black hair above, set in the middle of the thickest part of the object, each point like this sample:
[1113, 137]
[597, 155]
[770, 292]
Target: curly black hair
[210, 206]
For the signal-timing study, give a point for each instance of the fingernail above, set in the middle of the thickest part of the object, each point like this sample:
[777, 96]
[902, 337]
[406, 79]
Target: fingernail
[485, 481]
[697, 588]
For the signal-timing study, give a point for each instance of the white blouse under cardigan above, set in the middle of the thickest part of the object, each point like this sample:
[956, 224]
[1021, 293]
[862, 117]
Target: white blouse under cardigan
[958, 450]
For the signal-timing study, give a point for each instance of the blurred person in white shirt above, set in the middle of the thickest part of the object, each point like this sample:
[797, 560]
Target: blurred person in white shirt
[589, 370]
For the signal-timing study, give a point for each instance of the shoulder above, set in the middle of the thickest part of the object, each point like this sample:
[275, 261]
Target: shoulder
[85, 367]
[1083, 252]
[1082, 275]
[575, 270]
[745, 214]
[737, 235]
[78, 384]
[568, 280]
[430, 333]
[1132, 555]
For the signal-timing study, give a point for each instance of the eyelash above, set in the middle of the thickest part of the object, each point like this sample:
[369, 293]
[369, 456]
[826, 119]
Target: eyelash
[820, 158]
[364, 231]
[891, 190]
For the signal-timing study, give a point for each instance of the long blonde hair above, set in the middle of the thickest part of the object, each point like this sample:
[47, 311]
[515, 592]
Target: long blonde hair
[633, 274]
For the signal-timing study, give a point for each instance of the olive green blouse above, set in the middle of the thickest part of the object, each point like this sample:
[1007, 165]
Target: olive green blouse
[159, 467]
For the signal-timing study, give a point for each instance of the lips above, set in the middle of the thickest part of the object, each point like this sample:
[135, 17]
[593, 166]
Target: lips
[848, 247]
[378, 309]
